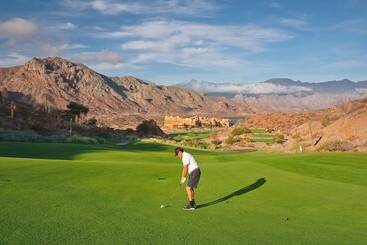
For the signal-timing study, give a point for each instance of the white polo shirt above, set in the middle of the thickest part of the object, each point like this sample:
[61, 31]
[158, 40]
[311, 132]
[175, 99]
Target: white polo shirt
[188, 159]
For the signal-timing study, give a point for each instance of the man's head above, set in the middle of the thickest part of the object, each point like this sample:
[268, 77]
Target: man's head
[178, 152]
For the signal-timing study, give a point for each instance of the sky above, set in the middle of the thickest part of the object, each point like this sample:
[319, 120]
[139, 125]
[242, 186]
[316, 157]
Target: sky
[175, 41]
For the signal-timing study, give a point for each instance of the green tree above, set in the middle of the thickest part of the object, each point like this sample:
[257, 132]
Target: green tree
[73, 113]
[75, 110]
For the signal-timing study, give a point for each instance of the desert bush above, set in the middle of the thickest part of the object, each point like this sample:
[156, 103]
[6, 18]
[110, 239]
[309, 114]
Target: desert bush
[296, 137]
[240, 131]
[325, 121]
[279, 138]
[91, 122]
[337, 145]
[216, 142]
[231, 140]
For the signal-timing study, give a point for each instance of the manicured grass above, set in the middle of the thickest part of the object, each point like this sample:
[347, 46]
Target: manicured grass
[261, 136]
[190, 135]
[80, 194]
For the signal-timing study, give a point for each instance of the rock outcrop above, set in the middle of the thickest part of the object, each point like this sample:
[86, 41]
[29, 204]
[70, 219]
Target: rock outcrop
[149, 128]
[177, 122]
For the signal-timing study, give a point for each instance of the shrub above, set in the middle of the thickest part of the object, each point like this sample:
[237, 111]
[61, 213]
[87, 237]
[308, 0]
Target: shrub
[91, 122]
[325, 121]
[231, 140]
[240, 131]
[296, 137]
[337, 145]
[216, 142]
[279, 138]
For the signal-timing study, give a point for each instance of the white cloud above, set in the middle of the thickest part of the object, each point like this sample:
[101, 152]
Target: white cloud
[247, 37]
[294, 23]
[257, 88]
[105, 61]
[66, 26]
[73, 46]
[193, 44]
[104, 56]
[112, 7]
[12, 59]
[17, 28]
[57, 47]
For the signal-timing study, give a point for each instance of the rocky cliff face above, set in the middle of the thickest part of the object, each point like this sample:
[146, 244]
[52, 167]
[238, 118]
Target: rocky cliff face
[117, 102]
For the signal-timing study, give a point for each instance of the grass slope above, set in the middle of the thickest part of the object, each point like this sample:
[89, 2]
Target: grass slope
[78, 194]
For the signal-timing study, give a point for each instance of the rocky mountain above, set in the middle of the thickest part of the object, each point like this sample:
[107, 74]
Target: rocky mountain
[117, 102]
[284, 95]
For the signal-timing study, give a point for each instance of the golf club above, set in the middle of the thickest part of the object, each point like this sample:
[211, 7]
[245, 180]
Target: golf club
[171, 197]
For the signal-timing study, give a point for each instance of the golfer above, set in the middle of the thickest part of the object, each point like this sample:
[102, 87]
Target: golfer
[191, 169]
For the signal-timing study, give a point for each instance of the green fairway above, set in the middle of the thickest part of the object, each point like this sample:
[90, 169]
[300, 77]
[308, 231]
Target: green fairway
[202, 134]
[260, 135]
[101, 194]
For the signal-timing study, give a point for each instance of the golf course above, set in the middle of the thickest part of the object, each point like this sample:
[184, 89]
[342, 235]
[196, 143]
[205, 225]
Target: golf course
[53, 193]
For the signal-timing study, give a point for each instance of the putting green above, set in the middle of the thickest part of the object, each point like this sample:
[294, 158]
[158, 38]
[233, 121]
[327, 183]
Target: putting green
[78, 194]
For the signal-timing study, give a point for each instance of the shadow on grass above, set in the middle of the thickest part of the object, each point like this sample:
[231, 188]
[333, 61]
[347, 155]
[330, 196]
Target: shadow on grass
[68, 151]
[239, 192]
[137, 146]
[60, 151]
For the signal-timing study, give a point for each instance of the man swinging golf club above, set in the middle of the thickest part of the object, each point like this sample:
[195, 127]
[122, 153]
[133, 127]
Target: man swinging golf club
[191, 169]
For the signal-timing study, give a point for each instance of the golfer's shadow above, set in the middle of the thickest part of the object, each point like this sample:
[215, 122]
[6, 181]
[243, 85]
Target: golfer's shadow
[239, 192]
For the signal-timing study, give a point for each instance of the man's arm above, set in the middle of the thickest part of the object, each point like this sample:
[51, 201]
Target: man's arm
[184, 173]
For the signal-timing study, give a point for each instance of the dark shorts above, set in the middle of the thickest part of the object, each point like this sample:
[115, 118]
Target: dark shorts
[194, 178]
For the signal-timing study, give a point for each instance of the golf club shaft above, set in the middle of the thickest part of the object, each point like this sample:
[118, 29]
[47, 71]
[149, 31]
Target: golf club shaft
[175, 191]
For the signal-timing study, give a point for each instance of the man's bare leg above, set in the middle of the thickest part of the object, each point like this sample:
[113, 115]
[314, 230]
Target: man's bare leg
[190, 193]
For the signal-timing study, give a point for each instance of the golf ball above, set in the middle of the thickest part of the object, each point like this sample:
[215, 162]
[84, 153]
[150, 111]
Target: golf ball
[162, 206]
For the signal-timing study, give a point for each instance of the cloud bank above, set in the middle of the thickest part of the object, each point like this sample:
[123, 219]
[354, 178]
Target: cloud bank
[17, 28]
[110, 7]
[258, 88]
[192, 44]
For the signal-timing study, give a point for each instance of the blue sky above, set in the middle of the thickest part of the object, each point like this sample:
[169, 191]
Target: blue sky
[172, 41]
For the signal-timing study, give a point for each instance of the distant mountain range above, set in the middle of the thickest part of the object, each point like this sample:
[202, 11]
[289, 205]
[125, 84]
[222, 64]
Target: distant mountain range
[283, 94]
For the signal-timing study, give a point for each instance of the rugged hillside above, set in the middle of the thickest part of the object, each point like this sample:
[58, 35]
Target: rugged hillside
[346, 124]
[285, 95]
[169, 99]
[314, 130]
[115, 102]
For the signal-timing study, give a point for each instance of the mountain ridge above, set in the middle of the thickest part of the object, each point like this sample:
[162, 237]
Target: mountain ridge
[117, 102]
